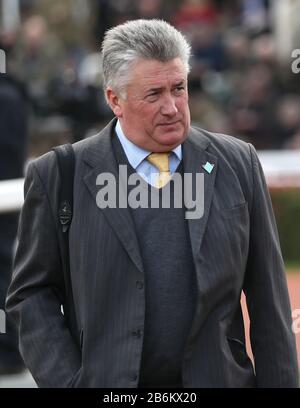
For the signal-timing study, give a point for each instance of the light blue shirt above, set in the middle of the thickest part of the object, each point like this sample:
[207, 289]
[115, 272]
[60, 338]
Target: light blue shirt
[137, 157]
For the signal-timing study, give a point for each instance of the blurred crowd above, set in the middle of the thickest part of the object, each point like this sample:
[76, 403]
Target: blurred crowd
[241, 82]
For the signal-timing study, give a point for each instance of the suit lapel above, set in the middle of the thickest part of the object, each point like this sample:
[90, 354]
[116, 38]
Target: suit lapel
[194, 157]
[100, 159]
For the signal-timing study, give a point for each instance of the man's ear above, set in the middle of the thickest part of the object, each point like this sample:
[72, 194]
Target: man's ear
[114, 102]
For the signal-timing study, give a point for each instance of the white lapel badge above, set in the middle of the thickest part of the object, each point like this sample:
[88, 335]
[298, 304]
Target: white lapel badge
[208, 167]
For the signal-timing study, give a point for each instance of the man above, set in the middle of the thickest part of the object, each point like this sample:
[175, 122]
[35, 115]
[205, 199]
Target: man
[13, 140]
[156, 294]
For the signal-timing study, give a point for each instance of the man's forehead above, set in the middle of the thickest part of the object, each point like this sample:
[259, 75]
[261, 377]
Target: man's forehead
[152, 73]
[160, 83]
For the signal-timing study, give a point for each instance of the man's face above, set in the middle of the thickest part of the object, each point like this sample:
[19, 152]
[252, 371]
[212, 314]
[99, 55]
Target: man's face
[155, 115]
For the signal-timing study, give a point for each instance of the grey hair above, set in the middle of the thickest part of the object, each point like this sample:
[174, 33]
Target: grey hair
[146, 39]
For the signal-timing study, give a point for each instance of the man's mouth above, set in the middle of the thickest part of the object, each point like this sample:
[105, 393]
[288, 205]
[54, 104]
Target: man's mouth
[168, 124]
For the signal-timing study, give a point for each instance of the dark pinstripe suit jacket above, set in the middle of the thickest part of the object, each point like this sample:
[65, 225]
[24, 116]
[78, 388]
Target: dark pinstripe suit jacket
[235, 247]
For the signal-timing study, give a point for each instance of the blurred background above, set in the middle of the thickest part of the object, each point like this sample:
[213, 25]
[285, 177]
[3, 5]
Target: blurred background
[244, 82]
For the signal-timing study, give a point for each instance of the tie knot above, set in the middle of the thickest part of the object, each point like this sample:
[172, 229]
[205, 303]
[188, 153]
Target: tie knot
[160, 161]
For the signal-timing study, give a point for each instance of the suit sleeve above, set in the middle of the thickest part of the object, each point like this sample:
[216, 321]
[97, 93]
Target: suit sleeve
[46, 344]
[265, 287]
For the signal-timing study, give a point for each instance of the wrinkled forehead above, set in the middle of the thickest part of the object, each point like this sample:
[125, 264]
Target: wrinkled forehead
[153, 73]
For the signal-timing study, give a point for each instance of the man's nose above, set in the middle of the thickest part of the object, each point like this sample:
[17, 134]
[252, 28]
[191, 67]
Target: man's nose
[169, 107]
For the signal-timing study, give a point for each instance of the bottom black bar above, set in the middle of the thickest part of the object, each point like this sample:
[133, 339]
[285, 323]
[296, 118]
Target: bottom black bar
[135, 397]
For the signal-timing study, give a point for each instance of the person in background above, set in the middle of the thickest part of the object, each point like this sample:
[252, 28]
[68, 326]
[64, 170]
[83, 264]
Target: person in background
[13, 142]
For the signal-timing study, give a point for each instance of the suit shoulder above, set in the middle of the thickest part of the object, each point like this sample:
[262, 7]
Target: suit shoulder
[225, 146]
[46, 163]
[223, 141]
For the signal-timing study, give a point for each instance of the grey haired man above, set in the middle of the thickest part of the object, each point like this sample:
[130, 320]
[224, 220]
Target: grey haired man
[156, 296]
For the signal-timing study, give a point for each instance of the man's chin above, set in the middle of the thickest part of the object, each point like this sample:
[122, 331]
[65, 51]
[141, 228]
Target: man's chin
[171, 139]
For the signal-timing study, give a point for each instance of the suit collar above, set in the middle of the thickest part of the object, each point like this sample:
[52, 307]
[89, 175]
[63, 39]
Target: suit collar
[197, 139]
[195, 156]
[100, 145]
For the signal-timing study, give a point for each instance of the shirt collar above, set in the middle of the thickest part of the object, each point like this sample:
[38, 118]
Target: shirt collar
[136, 154]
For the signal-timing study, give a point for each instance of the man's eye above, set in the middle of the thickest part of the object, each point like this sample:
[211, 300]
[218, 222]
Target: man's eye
[179, 88]
[152, 97]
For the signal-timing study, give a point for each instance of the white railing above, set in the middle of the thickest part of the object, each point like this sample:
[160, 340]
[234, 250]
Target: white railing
[11, 195]
[281, 168]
